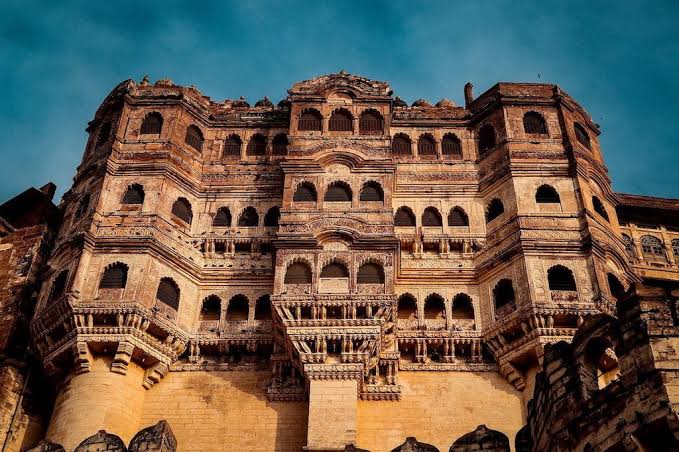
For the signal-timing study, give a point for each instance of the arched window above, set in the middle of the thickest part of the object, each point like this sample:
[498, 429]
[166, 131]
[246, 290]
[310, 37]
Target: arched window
[462, 307]
[675, 247]
[134, 195]
[629, 246]
[370, 273]
[338, 192]
[59, 285]
[104, 134]
[298, 273]
[372, 192]
[310, 120]
[371, 123]
[271, 218]
[546, 194]
[306, 192]
[404, 217]
[280, 144]
[114, 277]
[431, 217]
[434, 307]
[407, 307]
[503, 293]
[599, 208]
[401, 145]
[335, 270]
[457, 217]
[238, 308]
[652, 246]
[495, 209]
[340, 121]
[182, 210]
[451, 147]
[486, 138]
[582, 136]
[257, 145]
[222, 218]
[232, 147]
[248, 218]
[168, 293]
[152, 124]
[615, 286]
[426, 147]
[83, 206]
[211, 308]
[263, 308]
[194, 138]
[534, 123]
[561, 278]
[602, 362]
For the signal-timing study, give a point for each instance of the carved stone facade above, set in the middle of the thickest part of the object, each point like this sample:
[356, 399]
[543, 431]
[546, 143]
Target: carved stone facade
[330, 270]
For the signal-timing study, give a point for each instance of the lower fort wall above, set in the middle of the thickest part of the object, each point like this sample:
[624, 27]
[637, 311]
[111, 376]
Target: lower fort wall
[439, 407]
[225, 411]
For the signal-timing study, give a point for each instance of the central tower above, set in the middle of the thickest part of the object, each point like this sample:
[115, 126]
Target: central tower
[335, 261]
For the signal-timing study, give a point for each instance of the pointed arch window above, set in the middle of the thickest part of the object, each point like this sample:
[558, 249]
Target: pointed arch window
[249, 218]
[263, 308]
[338, 192]
[280, 144]
[457, 217]
[310, 120]
[372, 192]
[494, 210]
[152, 124]
[503, 293]
[272, 217]
[462, 307]
[451, 147]
[401, 145]
[487, 138]
[222, 217]
[431, 217]
[257, 145]
[114, 277]
[426, 147]
[340, 121]
[582, 136]
[168, 293]
[306, 192]
[652, 246]
[134, 195]
[370, 273]
[194, 138]
[371, 123]
[407, 307]
[211, 309]
[232, 147]
[298, 273]
[599, 208]
[238, 308]
[546, 194]
[534, 123]
[404, 217]
[182, 210]
[561, 278]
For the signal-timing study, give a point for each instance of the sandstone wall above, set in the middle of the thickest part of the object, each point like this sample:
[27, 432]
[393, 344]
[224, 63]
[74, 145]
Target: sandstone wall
[439, 407]
[225, 411]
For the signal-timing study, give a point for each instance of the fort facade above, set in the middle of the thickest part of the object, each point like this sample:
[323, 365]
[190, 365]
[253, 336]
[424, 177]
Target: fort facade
[337, 269]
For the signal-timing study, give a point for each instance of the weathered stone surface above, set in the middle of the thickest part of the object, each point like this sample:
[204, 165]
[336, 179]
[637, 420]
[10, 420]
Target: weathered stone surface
[156, 438]
[249, 271]
[483, 439]
[100, 442]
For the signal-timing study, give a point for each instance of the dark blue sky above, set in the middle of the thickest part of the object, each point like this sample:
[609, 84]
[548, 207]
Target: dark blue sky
[619, 59]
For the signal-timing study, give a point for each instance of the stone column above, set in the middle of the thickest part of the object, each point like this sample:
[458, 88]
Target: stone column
[332, 415]
[98, 400]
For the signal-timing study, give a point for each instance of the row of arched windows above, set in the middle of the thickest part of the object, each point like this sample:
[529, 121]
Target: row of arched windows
[339, 191]
[559, 278]
[168, 293]
[237, 309]
[368, 273]
[451, 147]
[434, 307]
[248, 218]
[370, 121]
[652, 247]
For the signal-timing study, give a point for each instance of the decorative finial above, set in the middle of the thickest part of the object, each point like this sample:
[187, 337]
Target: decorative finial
[343, 72]
[145, 80]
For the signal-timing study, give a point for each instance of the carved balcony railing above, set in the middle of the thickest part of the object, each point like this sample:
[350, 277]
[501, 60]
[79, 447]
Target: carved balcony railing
[504, 310]
[333, 285]
[235, 326]
[564, 295]
[407, 324]
[370, 288]
[208, 326]
[463, 324]
[297, 289]
[161, 309]
[435, 324]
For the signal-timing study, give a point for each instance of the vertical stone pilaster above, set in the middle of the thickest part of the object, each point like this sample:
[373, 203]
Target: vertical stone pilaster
[332, 414]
